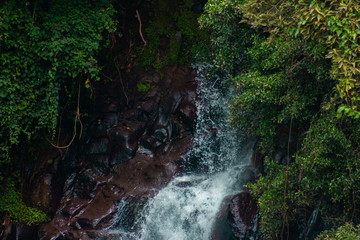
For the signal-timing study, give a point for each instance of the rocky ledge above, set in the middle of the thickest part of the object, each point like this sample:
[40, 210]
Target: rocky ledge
[133, 147]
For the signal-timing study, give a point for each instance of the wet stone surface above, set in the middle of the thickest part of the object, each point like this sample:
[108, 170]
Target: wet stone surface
[128, 151]
[238, 219]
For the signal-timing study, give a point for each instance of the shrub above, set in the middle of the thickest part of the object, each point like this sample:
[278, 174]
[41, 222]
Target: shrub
[12, 203]
[345, 232]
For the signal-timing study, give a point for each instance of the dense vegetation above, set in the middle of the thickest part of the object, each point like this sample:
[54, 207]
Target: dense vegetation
[53, 51]
[48, 52]
[295, 65]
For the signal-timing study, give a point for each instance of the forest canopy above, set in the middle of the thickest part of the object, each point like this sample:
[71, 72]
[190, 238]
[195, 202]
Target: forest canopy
[295, 65]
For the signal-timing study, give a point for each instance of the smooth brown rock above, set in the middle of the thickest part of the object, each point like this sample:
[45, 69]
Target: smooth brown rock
[243, 215]
[237, 219]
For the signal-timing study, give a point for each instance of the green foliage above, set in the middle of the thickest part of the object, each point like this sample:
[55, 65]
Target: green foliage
[12, 203]
[229, 39]
[45, 49]
[144, 87]
[329, 164]
[171, 35]
[334, 23]
[283, 82]
[325, 173]
[345, 232]
[269, 191]
[300, 71]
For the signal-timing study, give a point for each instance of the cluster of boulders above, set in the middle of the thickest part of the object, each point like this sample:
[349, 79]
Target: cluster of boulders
[129, 151]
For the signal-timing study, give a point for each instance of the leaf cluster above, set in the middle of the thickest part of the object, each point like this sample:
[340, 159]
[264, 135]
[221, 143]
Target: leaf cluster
[325, 173]
[284, 82]
[229, 39]
[345, 232]
[12, 203]
[333, 23]
[47, 49]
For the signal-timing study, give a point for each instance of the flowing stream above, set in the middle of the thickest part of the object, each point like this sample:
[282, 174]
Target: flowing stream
[217, 167]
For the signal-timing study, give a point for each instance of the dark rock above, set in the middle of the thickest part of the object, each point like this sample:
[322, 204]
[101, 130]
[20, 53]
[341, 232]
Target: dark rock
[126, 133]
[23, 232]
[237, 219]
[82, 186]
[120, 154]
[149, 142]
[243, 216]
[187, 105]
[113, 106]
[39, 191]
[161, 135]
[89, 202]
[99, 163]
[124, 140]
[152, 94]
[222, 228]
[109, 119]
[314, 226]
[98, 146]
[97, 130]
[154, 78]
[150, 108]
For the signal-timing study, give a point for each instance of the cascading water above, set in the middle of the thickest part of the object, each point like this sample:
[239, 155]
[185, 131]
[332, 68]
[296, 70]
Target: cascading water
[216, 167]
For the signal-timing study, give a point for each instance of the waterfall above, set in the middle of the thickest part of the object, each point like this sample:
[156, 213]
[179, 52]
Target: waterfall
[216, 167]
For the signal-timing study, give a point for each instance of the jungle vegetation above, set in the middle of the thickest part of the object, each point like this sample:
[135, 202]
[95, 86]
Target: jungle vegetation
[295, 65]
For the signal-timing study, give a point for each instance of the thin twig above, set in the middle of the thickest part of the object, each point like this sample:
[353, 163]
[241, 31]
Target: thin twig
[140, 26]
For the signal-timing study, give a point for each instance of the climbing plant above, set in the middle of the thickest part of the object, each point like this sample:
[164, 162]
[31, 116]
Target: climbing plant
[47, 48]
[44, 49]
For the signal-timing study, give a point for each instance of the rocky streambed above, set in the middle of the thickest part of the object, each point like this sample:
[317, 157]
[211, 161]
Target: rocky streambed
[132, 147]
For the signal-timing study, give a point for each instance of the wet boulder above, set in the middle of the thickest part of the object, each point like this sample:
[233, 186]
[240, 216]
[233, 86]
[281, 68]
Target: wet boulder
[124, 138]
[98, 146]
[238, 219]
[243, 216]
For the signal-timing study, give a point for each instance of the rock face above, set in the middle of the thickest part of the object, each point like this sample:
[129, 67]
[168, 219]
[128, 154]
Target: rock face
[238, 219]
[133, 147]
[243, 216]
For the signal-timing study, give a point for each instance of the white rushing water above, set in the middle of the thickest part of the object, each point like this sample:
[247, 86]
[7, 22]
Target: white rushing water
[218, 166]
